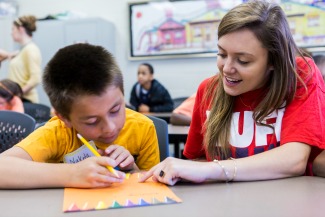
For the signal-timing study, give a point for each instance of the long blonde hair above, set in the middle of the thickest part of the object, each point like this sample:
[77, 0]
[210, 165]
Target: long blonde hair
[268, 23]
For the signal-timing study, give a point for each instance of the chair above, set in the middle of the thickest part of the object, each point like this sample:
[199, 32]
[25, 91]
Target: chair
[162, 134]
[38, 125]
[14, 127]
[41, 113]
[178, 100]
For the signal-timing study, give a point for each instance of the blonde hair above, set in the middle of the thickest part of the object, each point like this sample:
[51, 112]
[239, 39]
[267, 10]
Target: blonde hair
[28, 22]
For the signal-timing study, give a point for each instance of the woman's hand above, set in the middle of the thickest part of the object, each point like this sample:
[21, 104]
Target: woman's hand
[172, 170]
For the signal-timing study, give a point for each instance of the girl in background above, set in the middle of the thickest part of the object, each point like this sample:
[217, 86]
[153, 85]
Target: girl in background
[10, 96]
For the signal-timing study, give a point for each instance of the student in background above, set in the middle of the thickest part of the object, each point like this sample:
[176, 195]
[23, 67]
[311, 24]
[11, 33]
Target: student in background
[265, 88]
[10, 96]
[182, 115]
[148, 95]
[320, 62]
[85, 87]
[25, 67]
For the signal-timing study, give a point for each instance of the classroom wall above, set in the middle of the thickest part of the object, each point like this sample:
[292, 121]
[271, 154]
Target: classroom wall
[180, 76]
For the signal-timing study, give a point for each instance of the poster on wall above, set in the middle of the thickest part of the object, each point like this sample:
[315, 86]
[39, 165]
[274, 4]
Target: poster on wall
[189, 28]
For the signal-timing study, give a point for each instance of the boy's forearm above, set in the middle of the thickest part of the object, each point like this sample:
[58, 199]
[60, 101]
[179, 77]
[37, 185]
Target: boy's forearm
[23, 174]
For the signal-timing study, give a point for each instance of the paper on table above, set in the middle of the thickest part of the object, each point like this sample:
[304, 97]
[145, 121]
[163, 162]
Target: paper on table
[130, 193]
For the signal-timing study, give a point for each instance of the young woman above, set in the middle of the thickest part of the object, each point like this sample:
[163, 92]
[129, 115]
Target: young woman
[260, 118]
[25, 67]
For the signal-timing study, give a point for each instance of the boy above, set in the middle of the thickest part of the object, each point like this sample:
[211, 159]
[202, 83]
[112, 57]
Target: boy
[148, 95]
[85, 87]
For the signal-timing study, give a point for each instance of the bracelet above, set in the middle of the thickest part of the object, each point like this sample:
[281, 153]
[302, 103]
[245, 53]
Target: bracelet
[235, 168]
[223, 169]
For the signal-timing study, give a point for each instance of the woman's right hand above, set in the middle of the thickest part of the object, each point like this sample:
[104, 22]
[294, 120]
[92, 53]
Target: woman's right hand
[172, 170]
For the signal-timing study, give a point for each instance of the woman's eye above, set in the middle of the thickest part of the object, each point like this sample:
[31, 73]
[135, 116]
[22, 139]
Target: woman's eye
[243, 62]
[221, 55]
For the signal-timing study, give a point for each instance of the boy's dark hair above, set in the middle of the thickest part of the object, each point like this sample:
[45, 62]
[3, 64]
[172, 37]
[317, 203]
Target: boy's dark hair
[149, 66]
[79, 69]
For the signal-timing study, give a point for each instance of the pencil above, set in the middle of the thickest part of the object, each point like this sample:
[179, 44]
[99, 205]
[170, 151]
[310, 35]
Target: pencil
[111, 169]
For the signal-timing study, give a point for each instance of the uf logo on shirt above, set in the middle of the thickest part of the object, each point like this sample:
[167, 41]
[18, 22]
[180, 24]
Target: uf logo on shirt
[245, 132]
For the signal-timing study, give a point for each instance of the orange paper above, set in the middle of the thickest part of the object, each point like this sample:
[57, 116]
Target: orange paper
[130, 193]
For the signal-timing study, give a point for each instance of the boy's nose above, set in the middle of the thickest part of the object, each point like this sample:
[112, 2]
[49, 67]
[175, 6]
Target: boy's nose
[108, 126]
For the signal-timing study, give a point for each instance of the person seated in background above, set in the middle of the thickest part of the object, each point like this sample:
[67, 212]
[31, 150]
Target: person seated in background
[10, 96]
[182, 115]
[148, 95]
[320, 62]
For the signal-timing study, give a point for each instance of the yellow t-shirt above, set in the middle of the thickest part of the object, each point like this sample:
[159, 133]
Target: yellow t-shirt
[25, 69]
[54, 140]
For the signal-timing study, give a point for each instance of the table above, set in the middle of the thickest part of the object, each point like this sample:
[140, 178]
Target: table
[298, 197]
[177, 135]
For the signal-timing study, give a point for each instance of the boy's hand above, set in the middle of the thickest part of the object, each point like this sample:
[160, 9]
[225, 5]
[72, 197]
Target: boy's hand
[122, 157]
[93, 173]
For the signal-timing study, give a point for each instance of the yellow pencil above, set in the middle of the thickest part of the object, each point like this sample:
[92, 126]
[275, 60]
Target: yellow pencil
[111, 169]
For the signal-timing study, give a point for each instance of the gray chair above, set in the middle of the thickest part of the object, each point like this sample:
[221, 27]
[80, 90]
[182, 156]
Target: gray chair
[162, 134]
[178, 100]
[41, 113]
[14, 127]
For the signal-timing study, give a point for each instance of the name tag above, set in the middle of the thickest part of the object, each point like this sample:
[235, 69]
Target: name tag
[80, 154]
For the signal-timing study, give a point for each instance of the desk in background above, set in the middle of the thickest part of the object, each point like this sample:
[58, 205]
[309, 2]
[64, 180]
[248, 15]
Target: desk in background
[298, 197]
[177, 135]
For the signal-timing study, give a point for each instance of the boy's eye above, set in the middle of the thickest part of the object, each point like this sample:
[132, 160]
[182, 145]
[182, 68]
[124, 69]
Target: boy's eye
[116, 109]
[91, 122]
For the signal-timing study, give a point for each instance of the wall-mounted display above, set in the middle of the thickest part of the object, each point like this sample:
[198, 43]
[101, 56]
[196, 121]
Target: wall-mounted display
[189, 28]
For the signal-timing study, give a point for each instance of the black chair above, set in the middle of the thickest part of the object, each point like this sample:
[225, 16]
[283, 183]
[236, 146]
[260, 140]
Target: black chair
[38, 125]
[178, 100]
[41, 113]
[14, 127]
[162, 134]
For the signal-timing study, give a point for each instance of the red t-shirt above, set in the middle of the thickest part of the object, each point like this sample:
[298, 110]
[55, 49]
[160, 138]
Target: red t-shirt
[301, 121]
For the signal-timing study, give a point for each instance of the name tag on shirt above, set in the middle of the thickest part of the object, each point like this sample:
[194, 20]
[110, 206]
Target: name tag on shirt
[80, 154]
